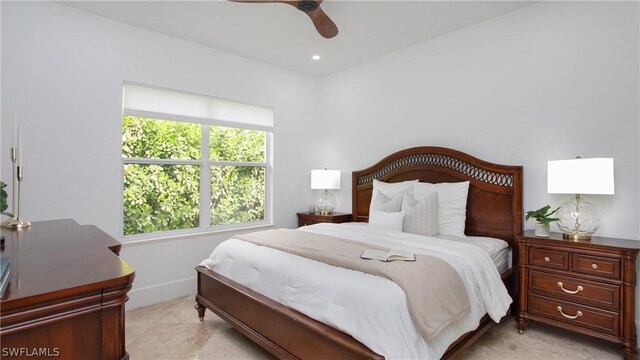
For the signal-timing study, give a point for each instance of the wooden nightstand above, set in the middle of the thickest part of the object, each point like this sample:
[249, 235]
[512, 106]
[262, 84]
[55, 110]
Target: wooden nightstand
[305, 218]
[587, 287]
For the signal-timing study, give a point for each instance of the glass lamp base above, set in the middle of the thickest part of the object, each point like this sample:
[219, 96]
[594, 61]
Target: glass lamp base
[326, 203]
[578, 219]
[576, 237]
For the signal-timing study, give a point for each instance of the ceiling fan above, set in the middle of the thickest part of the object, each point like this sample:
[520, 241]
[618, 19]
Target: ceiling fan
[325, 26]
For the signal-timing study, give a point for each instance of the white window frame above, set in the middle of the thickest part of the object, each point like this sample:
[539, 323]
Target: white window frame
[205, 164]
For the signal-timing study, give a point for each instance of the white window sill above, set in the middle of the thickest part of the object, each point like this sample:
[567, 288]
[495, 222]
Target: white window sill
[162, 238]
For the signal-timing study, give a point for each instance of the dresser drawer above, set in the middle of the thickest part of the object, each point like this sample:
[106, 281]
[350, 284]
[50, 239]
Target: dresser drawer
[596, 265]
[549, 258]
[602, 295]
[602, 321]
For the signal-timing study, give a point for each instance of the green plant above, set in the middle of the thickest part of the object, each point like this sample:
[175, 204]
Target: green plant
[542, 215]
[3, 200]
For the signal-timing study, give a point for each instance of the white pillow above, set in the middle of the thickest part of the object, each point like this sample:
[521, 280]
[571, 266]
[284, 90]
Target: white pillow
[421, 216]
[386, 220]
[384, 203]
[390, 190]
[452, 205]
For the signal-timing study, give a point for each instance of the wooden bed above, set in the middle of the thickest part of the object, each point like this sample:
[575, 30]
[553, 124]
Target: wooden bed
[494, 209]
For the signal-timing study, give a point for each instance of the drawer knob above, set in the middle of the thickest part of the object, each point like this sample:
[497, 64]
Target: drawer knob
[594, 266]
[580, 288]
[547, 259]
[578, 314]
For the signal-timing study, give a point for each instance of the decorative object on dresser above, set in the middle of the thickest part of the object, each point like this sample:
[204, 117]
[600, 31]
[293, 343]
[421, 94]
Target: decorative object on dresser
[543, 220]
[325, 180]
[67, 294]
[16, 222]
[579, 218]
[13, 152]
[305, 219]
[587, 287]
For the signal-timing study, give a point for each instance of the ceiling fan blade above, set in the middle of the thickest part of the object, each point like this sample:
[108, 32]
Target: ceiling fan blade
[325, 26]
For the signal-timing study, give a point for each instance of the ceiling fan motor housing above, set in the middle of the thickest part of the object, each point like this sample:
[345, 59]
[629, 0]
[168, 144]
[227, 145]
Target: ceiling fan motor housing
[307, 5]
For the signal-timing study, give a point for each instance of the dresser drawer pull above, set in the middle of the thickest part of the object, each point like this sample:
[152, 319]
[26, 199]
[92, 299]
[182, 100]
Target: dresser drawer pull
[594, 266]
[547, 259]
[578, 314]
[580, 288]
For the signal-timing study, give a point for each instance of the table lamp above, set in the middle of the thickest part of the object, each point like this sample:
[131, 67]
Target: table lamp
[579, 218]
[325, 180]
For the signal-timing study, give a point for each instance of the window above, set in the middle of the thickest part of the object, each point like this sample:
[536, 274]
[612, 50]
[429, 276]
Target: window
[186, 171]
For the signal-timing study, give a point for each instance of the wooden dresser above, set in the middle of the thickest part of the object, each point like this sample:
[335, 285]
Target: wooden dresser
[587, 287]
[67, 294]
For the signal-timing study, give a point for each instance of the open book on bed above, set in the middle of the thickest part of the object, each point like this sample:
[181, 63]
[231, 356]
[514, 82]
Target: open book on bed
[386, 256]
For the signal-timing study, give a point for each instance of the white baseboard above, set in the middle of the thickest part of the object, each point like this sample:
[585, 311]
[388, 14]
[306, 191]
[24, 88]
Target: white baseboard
[154, 294]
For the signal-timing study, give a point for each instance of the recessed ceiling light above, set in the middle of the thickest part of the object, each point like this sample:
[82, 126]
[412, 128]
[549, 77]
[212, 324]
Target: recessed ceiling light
[316, 57]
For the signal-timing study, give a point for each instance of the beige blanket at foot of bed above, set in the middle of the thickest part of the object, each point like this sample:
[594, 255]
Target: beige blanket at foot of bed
[436, 295]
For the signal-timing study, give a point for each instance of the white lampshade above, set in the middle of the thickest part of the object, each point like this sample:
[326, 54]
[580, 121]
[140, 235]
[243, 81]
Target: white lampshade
[580, 176]
[325, 179]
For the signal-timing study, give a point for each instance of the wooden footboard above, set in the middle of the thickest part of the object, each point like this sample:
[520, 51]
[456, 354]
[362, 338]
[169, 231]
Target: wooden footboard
[284, 332]
[287, 333]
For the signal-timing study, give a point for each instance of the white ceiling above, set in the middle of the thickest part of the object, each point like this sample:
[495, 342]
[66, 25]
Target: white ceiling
[281, 35]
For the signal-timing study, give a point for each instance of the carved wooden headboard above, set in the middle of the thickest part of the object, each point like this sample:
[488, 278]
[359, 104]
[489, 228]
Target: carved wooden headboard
[494, 203]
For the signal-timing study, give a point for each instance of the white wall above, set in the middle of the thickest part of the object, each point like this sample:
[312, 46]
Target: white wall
[64, 70]
[550, 81]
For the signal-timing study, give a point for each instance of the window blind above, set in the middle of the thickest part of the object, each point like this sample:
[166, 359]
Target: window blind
[149, 101]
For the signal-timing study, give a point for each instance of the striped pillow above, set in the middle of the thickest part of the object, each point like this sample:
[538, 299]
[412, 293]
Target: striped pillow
[382, 202]
[421, 215]
[389, 190]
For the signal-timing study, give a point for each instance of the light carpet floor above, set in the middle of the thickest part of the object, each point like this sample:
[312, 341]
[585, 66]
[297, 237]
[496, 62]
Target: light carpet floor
[171, 330]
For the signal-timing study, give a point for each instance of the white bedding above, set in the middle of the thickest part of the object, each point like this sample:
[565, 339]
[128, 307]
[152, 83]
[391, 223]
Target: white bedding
[371, 309]
[498, 250]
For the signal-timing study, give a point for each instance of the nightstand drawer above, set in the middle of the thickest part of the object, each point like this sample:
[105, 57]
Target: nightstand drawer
[602, 295]
[596, 265]
[549, 258]
[309, 222]
[602, 321]
[306, 219]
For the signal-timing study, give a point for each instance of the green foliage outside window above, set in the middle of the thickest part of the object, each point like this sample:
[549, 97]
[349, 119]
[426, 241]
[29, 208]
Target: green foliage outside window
[161, 197]
[231, 144]
[159, 139]
[237, 194]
